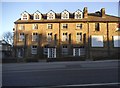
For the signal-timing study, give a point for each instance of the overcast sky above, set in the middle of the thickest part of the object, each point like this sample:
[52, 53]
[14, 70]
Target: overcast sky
[11, 10]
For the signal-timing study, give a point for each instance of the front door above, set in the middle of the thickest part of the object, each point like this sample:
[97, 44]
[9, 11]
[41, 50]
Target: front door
[51, 52]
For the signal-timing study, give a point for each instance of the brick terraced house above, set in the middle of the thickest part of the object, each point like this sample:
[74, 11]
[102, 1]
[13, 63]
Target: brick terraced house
[67, 35]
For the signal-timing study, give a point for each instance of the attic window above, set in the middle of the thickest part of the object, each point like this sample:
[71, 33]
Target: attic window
[78, 15]
[24, 17]
[50, 16]
[36, 16]
[65, 15]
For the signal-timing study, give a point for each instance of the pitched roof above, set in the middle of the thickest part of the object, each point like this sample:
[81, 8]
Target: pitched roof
[92, 17]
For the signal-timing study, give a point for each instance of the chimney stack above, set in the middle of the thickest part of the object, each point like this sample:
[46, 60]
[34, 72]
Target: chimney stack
[103, 12]
[85, 12]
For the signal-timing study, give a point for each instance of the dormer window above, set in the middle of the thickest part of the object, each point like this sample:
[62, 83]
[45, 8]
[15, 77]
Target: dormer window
[51, 15]
[37, 15]
[24, 16]
[78, 14]
[65, 14]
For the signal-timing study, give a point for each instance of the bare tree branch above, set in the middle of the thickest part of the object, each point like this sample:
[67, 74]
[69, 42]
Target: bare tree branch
[8, 37]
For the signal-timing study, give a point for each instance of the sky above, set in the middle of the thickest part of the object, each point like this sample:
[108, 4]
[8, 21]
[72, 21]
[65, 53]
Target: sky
[11, 11]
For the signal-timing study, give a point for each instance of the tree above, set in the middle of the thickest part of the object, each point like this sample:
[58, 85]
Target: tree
[8, 37]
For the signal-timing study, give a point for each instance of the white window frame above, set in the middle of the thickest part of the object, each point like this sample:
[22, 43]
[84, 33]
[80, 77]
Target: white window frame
[49, 26]
[65, 37]
[64, 50]
[50, 15]
[78, 13]
[34, 49]
[51, 52]
[78, 37]
[64, 26]
[38, 14]
[34, 36]
[23, 14]
[78, 51]
[116, 40]
[21, 37]
[79, 26]
[45, 50]
[97, 41]
[35, 26]
[49, 37]
[65, 15]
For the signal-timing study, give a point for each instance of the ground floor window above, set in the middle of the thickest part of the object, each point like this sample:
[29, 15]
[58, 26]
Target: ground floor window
[20, 52]
[64, 50]
[34, 49]
[45, 50]
[51, 52]
[78, 51]
[116, 40]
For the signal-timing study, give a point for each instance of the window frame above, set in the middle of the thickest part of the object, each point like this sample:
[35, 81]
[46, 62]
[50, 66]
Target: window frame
[49, 26]
[64, 50]
[79, 37]
[97, 26]
[21, 36]
[96, 41]
[34, 49]
[49, 37]
[116, 44]
[79, 26]
[35, 26]
[65, 37]
[64, 26]
[34, 37]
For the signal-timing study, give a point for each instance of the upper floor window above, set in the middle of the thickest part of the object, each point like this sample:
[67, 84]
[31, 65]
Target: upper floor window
[22, 27]
[21, 37]
[78, 14]
[49, 26]
[78, 26]
[35, 37]
[65, 14]
[34, 49]
[37, 15]
[24, 16]
[35, 26]
[51, 15]
[79, 37]
[65, 37]
[118, 27]
[97, 27]
[64, 26]
[49, 37]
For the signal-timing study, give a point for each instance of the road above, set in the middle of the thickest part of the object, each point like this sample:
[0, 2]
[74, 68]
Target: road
[60, 73]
